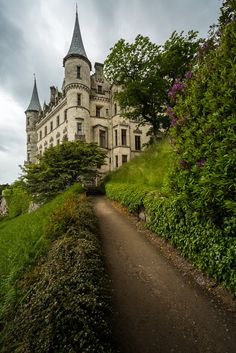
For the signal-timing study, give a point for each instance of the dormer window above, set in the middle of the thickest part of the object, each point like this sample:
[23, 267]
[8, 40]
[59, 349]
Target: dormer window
[78, 72]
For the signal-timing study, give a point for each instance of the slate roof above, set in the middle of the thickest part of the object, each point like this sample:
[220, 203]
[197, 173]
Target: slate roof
[34, 103]
[77, 46]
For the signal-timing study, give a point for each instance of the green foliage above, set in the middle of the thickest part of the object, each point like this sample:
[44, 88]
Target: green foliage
[204, 135]
[61, 166]
[145, 71]
[17, 199]
[22, 240]
[199, 240]
[130, 195]
[3, 187]
[67, 308]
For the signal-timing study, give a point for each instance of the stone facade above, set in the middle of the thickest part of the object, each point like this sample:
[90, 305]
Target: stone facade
[84, 110]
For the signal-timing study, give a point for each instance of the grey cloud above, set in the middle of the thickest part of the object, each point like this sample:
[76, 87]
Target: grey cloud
[3, 148]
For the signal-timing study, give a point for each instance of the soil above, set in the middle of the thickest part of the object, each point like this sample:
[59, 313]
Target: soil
[161, 303]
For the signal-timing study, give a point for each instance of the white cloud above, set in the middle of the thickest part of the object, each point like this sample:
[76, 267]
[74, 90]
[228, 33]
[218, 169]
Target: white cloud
[12, 138]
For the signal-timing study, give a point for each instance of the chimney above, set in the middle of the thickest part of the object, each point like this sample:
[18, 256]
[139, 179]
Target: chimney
[98, 69]
[53, 94]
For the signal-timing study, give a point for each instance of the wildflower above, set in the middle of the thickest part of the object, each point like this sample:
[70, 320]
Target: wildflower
[200, 162]
[169, 111]
[183, 163]
[188, 74]
[174, 122]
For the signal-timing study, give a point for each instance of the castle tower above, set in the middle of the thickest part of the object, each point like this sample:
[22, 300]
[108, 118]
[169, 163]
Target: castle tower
[32, 113]
[77, 87]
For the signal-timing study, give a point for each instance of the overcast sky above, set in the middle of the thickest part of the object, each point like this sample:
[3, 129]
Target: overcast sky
[36, 35]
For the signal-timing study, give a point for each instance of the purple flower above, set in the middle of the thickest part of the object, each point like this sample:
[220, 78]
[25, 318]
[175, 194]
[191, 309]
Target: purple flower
[183, 163]
[188, 74]
[200, 162]
[169, 111]
[177, 86]
[174, 122]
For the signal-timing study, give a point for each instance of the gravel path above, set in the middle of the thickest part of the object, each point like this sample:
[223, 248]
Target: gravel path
[156, 308]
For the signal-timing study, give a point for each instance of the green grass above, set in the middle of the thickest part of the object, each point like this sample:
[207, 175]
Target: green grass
[150, 168]
[22, 240]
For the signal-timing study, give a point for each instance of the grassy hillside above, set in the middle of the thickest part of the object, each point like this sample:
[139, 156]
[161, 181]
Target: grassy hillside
[22, 240]
[150, 168]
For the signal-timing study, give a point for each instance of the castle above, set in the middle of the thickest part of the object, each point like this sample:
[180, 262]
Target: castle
[84, 110]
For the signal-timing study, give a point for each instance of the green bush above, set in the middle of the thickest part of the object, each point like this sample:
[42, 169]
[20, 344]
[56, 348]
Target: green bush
[67, 308]
[17, 199]
[22, 240]
[130, 195]
[200, 240]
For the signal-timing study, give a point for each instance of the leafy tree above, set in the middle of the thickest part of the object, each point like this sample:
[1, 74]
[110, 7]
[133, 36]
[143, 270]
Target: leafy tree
[61, 166]
[146, 71]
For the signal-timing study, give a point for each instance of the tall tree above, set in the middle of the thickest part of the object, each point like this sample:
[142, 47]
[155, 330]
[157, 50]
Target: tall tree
[146, 72]
[61, 166]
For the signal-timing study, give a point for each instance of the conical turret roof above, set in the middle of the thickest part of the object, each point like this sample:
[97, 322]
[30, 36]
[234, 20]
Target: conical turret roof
[34, 103]
[77, 46]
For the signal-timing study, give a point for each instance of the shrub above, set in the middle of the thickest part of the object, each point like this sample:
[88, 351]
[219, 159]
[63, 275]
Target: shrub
[17, 199]
[67, 306]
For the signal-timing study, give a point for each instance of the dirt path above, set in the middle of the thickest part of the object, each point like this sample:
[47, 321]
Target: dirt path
[156, 308]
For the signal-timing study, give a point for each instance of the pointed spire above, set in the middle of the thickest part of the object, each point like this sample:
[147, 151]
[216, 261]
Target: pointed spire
[77, 46]
[34, 103]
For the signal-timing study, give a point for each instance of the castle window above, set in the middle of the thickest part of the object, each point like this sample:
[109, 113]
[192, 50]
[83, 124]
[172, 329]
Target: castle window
[124, 158]
[102, 138]
[117, 165]
[58, 120]
[137, 143]
[115, 107]
[116, 138]
[28, 157]
[27, 121]
[107, 112]
[99, 89]
[58, 141]
[78, 71]
[51, 125]
[40, 134]
[98, 111]
[79, 99]
[123, 137]
[65, 115]
[45, 130]
[79, 129]
[28, 138]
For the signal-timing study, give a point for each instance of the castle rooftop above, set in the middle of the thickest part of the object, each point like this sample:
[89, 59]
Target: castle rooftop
[34, 102]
